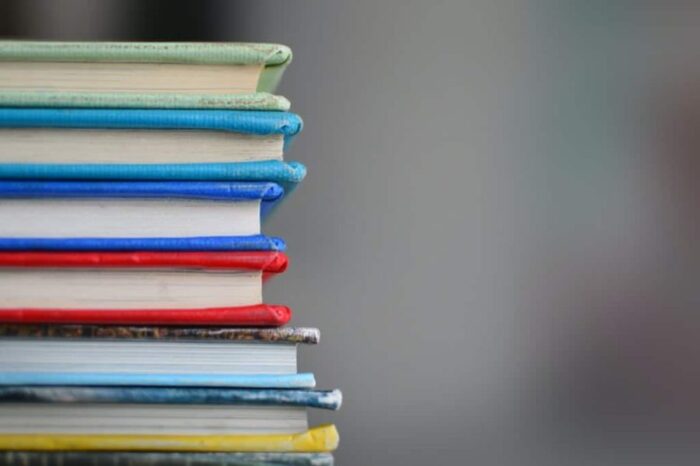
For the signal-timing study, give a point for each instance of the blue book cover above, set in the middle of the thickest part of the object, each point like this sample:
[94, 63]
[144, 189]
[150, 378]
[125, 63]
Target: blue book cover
[210, 190]
[323, 399]
[239, 121]
[261, 123]
[201, 243]
[286, 174]
[303, 380]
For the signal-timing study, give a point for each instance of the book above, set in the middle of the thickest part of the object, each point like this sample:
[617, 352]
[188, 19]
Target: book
[156, 209]
[138, 74]
[132, 410]
[108, 355]
[115, 458]
[59, 136]
[143, 410]
[318, 439]
[195, 288]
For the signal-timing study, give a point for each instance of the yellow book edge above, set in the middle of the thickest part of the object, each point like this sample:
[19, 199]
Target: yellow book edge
[318, 439]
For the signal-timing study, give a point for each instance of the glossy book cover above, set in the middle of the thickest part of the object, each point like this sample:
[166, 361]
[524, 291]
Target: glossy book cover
[318, 439]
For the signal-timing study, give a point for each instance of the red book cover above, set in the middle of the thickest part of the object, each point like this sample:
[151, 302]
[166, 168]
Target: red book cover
[269, 262]
[260, 315]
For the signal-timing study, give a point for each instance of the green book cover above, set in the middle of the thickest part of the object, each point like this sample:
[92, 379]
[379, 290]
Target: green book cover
[273, 58]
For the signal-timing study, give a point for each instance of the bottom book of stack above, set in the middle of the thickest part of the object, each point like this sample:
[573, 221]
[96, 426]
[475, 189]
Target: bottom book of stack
[126, 395]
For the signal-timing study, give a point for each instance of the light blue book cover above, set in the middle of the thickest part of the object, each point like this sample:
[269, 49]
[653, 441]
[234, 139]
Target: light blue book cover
[239, 121]
[286, 174]
[303, 380]
[261, 123]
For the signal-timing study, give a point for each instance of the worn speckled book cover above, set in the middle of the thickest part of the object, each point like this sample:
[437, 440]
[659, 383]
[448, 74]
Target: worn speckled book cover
[293, 335]
[37, 458]
[322, 399]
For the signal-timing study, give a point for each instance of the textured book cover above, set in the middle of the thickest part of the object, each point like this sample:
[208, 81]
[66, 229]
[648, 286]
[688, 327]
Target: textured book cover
[202, 190]
[125, 379]
[273, 57]
[289, 335]
[286, 174]
[259, 315]
[270, 262]
[245, 122]
[323, 399]
[255, 315]
[318, 439]
[285, 335]
[113, 458]
[268, 194]
[199, 243]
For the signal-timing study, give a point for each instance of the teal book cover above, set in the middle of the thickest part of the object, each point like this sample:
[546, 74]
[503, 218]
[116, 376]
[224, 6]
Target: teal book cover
[194, 166]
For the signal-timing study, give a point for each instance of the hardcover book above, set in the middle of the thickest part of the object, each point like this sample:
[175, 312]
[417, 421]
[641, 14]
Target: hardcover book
[47, 141]
[157, 75]
[86, 355]
[145, 410]
[102, 211]
[156, 288]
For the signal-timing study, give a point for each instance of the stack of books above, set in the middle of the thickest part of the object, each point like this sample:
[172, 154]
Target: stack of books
[133, 181]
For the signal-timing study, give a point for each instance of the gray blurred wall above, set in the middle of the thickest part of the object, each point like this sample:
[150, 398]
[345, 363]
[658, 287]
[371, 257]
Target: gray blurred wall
[487, 237]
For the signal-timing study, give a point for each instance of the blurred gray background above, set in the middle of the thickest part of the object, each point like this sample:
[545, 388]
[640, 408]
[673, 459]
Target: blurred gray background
[497, 235]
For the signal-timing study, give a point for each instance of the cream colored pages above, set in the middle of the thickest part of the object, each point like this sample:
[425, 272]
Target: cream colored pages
[135, 146]
[129, 77]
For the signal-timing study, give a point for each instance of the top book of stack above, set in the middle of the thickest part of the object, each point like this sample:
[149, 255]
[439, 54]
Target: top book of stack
[142, 75]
